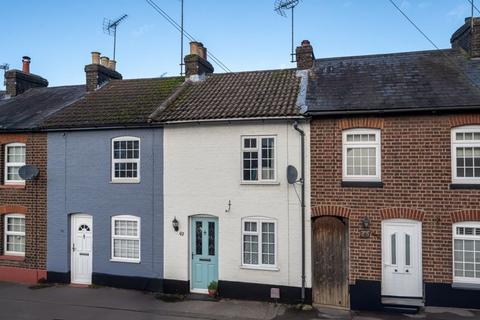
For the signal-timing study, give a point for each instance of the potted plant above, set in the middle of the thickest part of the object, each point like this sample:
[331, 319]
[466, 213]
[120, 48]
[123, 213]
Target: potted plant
[212, 289]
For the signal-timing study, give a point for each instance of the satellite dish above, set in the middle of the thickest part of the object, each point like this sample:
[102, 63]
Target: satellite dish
[28, 172]
[292, 174]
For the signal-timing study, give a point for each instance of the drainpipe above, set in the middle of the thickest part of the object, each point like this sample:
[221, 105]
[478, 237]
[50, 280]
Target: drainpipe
[302, 180]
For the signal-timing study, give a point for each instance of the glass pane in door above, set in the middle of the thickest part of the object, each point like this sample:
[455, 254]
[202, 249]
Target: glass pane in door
[198, 238]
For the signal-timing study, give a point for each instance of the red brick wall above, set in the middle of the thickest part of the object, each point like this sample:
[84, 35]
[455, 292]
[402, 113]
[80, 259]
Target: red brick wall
[416, 172]
[30, 199]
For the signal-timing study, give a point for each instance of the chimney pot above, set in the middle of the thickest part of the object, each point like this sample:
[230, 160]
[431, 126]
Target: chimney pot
[104, 61]
[95, 57]
[198, 49]
[112, 64]
[26, 64]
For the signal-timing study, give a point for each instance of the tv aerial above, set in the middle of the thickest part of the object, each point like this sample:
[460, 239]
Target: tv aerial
[281, 6]
[110, 28]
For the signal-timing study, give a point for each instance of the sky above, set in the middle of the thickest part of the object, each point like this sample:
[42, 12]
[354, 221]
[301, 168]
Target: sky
[59, 35]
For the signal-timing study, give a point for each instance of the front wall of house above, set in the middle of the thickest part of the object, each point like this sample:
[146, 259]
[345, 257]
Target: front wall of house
[416, 173]
[79, 165]
[30, 201]
[203, 174]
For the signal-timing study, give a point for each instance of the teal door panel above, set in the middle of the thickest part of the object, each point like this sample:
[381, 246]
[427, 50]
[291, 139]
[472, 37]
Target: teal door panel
[204, 252]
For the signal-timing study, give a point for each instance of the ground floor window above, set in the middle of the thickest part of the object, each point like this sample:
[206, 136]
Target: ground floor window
[14, 234]
[126, 239]
[466, 252]
[259, 242]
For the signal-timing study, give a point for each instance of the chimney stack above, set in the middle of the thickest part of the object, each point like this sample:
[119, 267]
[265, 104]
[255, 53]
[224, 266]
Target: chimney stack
[467, 37]
[100, 71]
[196, 63]
[305, 55]
[26, 64]
[17, 82]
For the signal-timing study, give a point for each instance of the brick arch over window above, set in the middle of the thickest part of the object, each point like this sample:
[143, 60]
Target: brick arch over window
[373, 123]
[330, 211]
[12, 208]
[464, 120]
[402, 213]
[465, 215]
[10, 138]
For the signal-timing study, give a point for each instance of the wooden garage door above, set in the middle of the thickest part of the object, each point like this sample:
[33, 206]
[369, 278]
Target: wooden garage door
[330, 262]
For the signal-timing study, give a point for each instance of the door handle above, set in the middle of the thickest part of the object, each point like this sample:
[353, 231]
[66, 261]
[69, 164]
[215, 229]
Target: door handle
[73, 247]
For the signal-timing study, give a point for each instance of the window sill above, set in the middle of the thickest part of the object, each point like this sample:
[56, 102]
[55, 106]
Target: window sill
[362, 184]
[464, 186]
[266, 183]
[12, 186]
[12, 258]
[466, 286]
[125, 182]
[125, 261]
[259, 268]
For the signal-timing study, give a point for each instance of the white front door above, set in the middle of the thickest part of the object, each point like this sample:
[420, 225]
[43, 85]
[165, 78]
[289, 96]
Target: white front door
[81, 248]
[402, 258]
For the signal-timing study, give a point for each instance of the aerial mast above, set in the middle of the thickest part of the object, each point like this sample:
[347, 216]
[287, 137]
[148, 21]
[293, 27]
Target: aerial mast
[280, 7]
[110, 28]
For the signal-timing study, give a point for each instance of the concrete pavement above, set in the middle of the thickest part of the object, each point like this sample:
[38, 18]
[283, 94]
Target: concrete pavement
[67, 303]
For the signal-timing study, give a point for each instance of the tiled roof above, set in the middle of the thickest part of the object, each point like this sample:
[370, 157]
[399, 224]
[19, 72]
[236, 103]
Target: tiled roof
[119, 102]
[29, 109]
[401, 81]
[234, 95]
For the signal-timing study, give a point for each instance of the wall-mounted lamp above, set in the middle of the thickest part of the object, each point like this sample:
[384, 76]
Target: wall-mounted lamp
[175, 224]
[365, 222]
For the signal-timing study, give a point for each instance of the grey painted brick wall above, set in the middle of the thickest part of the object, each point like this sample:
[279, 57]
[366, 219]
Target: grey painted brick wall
[79, 171]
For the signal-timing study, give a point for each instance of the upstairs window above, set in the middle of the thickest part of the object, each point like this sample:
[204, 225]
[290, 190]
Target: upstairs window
[466, 252]
[14, 235]
[126, 160]
[466, 155]
[14, 159]
[259, 242]
[361, 155]
[126, 239]
[258, 159]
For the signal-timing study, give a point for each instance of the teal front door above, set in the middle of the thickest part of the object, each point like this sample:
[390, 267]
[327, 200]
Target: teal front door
[204, 252]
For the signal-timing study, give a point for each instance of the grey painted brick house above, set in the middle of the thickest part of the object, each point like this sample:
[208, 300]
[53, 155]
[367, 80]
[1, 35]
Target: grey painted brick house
[105, 186]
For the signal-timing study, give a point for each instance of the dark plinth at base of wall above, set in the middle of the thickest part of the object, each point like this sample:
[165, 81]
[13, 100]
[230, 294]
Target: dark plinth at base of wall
[58, 277]
[443, 295]
[176, 286]
[127, 282]
[366, 295]
[261, 292]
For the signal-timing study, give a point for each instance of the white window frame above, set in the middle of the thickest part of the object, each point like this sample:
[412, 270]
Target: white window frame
[362, 144]
[13, 233]
[138, 237]
[258, 233]
[454, 144]
[465, 224]
[13, 164]
[114, 161]
[258, 149]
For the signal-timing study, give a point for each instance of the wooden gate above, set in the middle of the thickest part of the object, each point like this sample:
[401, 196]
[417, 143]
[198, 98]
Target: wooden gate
[330, 262]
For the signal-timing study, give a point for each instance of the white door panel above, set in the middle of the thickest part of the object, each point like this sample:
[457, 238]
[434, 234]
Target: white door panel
[402, 258]
[81, 249]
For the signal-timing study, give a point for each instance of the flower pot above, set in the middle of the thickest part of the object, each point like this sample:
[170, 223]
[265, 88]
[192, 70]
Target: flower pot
[212, 293]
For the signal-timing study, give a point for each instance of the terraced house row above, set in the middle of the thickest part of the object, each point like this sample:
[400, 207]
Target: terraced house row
[351, 182]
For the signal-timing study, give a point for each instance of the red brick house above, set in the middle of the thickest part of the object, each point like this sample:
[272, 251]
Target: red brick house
[23, 204]
[395, 176]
